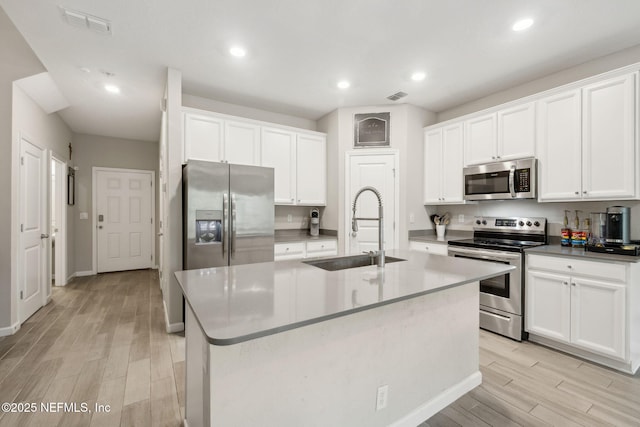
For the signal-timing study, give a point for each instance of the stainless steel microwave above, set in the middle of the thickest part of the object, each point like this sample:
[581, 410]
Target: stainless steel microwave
[501, 180]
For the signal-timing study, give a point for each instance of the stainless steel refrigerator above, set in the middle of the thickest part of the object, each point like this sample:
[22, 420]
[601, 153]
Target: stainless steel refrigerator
[228, 214]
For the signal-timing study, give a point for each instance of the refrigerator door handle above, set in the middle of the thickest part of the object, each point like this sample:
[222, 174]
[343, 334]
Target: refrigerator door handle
[232, 225]
[225, 224]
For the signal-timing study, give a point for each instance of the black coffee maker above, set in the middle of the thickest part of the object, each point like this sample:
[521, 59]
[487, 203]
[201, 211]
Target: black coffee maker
[618, 225]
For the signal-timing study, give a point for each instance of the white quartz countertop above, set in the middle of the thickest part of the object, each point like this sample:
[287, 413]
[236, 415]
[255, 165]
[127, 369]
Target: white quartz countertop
[559, 250]
[239, 303]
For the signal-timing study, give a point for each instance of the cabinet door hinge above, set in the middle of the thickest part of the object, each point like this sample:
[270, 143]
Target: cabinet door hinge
[21, 295]
[22, 160]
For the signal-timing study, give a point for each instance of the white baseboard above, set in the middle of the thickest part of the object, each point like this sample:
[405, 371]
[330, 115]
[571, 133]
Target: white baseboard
[444, 399]
[70, 278]
[84, 273]
[171, 327]
[10, 330]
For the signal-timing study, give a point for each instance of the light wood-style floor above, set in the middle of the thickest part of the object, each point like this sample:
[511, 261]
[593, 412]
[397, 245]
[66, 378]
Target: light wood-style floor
[102, 339]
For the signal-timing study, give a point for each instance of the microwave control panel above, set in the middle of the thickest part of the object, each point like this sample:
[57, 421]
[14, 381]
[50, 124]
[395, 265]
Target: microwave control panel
[522, 180]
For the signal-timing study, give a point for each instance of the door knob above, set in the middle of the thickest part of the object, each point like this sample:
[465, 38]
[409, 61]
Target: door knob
[160, 234]
[44, 236]
[100, 227]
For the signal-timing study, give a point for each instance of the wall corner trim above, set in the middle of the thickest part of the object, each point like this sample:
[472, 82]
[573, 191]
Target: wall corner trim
[10, 330]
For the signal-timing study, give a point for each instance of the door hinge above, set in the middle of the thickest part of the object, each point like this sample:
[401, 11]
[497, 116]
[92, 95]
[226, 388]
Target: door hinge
[394, 172]
[21, 228]
[152, 183]
[151, 219]
[164, 188]
[21, 295]
[151, 257]
[22, 160]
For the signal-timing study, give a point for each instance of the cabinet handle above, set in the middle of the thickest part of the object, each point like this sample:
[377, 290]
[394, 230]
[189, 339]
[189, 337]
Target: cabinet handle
[584, 192]
[493, 157]
[569, 267]
[498, 157]
[286, 249]
[573, 283]
[565, 283]
[577, 192]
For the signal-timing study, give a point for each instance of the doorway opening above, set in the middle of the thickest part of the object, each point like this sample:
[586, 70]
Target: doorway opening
[58, 221]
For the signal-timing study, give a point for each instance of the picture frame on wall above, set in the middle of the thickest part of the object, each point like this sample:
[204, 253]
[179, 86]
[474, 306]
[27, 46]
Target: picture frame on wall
[71, 186]
[371, 130]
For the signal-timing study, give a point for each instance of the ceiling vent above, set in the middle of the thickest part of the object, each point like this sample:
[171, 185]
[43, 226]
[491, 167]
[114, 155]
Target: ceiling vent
[83, 20]
[397, 96]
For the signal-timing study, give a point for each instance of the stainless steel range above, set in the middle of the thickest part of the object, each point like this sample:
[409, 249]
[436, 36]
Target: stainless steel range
[502, 240]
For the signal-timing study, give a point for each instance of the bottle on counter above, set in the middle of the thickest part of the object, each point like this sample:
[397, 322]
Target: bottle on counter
[565, 232]
[578, 234]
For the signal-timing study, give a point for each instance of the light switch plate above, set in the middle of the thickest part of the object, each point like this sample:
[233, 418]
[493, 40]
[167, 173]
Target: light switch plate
[84, 215]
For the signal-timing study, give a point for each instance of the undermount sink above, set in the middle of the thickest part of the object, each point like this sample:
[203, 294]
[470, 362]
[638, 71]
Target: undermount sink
[354, 261]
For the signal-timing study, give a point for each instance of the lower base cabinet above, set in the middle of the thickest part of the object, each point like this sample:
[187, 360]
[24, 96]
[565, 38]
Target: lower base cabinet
[588, 306]
[301, 250]
[430, 248]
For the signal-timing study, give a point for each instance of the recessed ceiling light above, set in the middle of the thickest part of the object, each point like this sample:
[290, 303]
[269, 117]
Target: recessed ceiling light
[111, 88]
[418, 76]
[522, 24]
[343, 84]
[238, 52]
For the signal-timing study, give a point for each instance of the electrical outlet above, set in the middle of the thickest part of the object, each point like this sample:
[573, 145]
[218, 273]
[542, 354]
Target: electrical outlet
[461, 218]
[382, 397]
[412, 218]
[289, 217]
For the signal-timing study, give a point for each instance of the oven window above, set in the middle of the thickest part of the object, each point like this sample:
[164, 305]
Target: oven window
[487, 183]
[498, 286]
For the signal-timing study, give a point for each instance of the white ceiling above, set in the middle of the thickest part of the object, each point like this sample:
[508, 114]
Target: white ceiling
[299, 49]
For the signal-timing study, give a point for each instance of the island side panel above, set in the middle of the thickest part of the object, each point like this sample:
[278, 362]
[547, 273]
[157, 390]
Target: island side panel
[425, 349]
[197, 411]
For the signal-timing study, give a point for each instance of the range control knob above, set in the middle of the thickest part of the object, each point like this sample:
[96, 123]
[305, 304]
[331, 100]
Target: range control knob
[521, 223]
[478, 221]
[484, 222]
[528, 223]
[537, 224]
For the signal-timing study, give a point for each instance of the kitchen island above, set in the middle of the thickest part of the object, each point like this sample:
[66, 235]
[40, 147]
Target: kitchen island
[287, 343]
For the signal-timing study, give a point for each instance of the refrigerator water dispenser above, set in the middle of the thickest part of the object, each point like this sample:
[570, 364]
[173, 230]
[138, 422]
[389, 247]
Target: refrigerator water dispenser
[208, 227]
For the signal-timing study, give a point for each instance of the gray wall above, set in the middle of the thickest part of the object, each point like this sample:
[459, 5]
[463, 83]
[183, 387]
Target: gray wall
[90, 151]
[597, 66]
[18, 61]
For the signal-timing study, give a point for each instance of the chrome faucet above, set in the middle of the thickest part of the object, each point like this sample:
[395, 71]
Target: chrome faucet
[354, 221]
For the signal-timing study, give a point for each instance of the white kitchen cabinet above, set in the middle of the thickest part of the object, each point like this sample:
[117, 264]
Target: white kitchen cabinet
[516, 132]
[559, 146]
[203, 137]
[582, 305]
[305, 249]
[241, 143]
[503, 135]
[279, 153]
[608, 141]
[443, 160]
[587, 146]
[311, 170]
[300, 166]
[432, 248]
[598, 316]
[288, 251]
[480, 142]
[548, 305]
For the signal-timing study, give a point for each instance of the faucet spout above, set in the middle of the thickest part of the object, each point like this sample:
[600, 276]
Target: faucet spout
[380, 219]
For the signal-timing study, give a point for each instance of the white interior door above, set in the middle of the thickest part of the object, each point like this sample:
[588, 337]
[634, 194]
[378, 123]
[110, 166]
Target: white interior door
[34, 270]
[58, 221]
[162, 220]
[378, 171]
[124, 219]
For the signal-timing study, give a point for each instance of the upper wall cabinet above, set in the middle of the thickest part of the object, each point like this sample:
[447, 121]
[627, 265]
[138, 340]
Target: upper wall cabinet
[300, 164]
[203, 137]
[218, 140]
[443, 153]
[587, 145]
[503, 135]
[299, 157]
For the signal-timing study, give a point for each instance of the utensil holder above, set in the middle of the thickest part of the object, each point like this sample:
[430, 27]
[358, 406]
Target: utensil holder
[440, 230]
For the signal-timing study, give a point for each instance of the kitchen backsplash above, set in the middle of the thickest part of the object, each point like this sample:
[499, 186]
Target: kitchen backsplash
[299, 217]
[554, 212]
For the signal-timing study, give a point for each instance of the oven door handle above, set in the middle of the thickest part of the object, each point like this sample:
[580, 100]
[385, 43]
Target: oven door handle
[489, 255]
[512, 181]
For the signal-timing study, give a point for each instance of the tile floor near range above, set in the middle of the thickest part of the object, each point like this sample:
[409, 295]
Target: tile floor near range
[102, 340]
